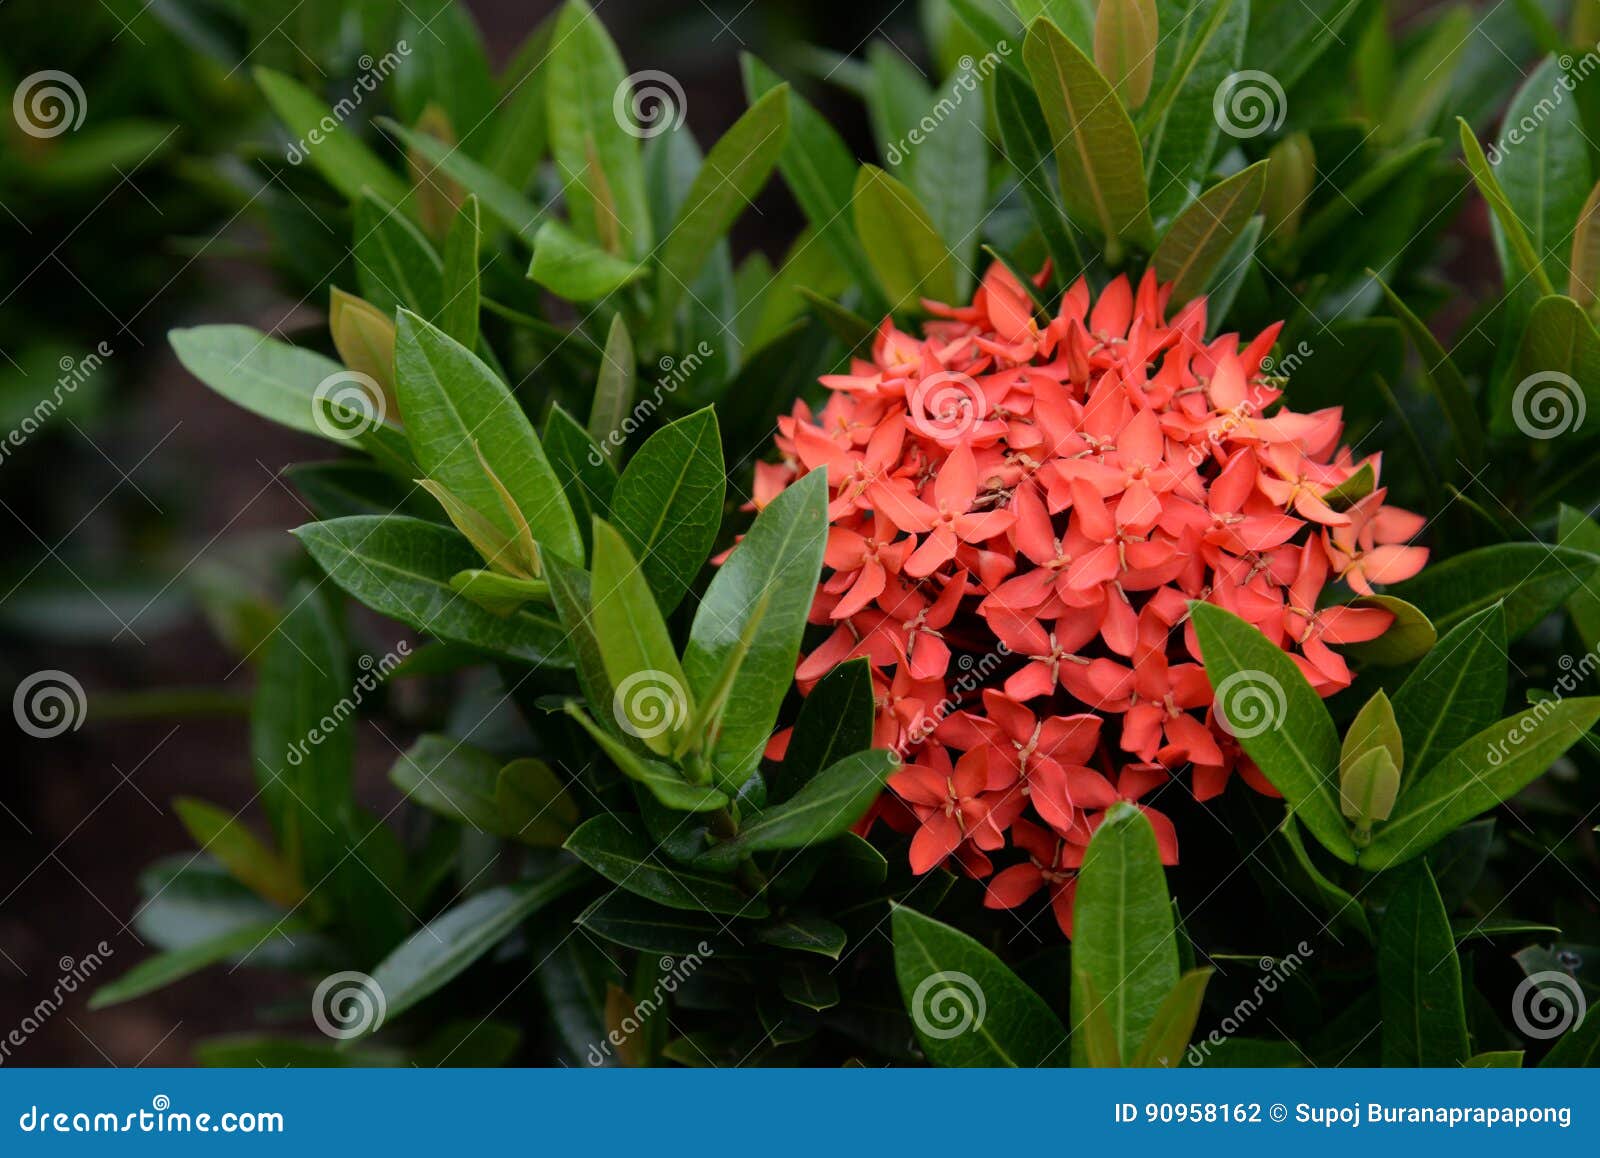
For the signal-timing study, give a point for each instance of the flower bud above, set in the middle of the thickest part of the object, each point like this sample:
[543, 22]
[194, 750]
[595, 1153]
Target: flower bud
[1369, 764]
[364, 336]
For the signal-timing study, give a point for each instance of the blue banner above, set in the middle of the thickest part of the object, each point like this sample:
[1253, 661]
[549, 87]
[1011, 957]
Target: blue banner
[671, 1113]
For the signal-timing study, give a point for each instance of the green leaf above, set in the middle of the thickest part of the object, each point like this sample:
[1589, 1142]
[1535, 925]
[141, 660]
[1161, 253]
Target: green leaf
[1277, 718]
[1511, 228]
[1340, 904]
[733, 172]
[446, 946]
[522, 801]
[1497, 1059]
[596, 155]
[614, 388]
[587, 476]
[459, 417]
[1530, 579]
[1288, 36]
[967, 1007]
[572, 268]
[1168, 1037]
[1545, 175]
[1440, 372]
[241, 852]
[1424, 84]
[1490, 767]
[651, 701]
[954, 190]
[1577, 530]
[804, 934]
[835, 721]
[1200, 238]
[396, 266]
[909, 258]
[1579, 1046]
[163, 969]
[618, 848]
[497, 593]
[776, 565]
[1583, 280]
[636, 923]
[1123, 940]
[1180, 123]
[265, 376]
[665, 783]
[349, 166]
[1552, 385]
[458, 315]
[1424, 1021]
[668, 504]
[520, 128]
[1456, 691]
[827, 805]
[819, 169]
[402, 568]
[1097, 150]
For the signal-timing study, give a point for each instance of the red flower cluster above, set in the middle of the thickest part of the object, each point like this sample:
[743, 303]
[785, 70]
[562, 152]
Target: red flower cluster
[1021, 514]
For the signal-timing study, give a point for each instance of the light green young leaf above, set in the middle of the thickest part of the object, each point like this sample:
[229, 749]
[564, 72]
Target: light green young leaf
[909, 258]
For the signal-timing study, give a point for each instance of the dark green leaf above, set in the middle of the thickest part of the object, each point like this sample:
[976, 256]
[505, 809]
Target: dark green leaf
[668, 504]
[1456, 691]
[1424, 1021]
[1530, 578]
[618, 849]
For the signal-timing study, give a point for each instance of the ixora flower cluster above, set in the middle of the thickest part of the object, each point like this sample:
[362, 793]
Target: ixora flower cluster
[1043, 501]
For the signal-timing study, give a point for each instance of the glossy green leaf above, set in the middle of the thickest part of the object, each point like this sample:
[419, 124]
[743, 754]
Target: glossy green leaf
[460, 416]
[522, 800]
[632, 921]
[1408, 638]
[446, 946]
[614, 388]
[668, 504]
[1200, 238]
[1515, 234]
[1169, 1033]
[396, 266]
[967, 1007]
[1419, 975]
[1456, 691]
[1531, 580]
[572, 268]
[835, 721]
[1123, 940]
[618, 848]
[587, 476]
[1575, 529]
[265, 376]
[776, 566]
[909, 258]
[1278, 720]
[458, 314]
[1553, 383]
[804, 934]
[827, 805]
[1546, 174]
[1489, 767]
[1097, 150]
[327, 142]
[402, 567]
[1026, 140]
[596, 156]
[729, 179]
[665, 783]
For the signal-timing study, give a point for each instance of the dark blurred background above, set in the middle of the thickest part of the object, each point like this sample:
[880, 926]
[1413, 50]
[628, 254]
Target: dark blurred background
[144, 494]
